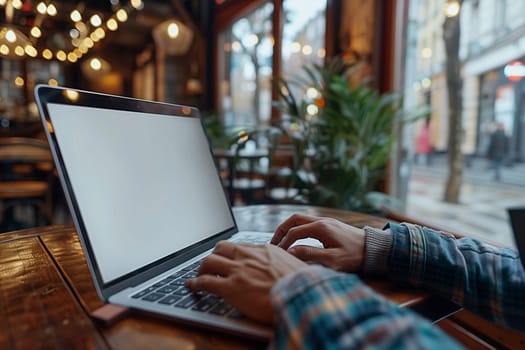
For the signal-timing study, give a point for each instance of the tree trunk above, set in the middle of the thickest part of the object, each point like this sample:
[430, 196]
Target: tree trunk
[451, 35]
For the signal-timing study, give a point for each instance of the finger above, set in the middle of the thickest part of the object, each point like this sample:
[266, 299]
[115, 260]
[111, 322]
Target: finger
[292, 221]
[311, 254]
[315, 230]
[208, 283]
[225, 249]
[234, 251]
[215, 265]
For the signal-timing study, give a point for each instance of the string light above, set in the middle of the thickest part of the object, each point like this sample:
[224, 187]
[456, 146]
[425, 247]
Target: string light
[41, 8]
[75, 16]
[100, 33]
[61, 55]
[112, 24]
[51, 10]
[36, 32]
[17, 4]
[71, 57]
[88, 42]
[122, 15]
[74, 33]
[95, 20]
[19, 51]
[19, 81]
[81, 38]
[137, 4]
[47, 54]
[10, 36]
[31, 51]
[4, 49]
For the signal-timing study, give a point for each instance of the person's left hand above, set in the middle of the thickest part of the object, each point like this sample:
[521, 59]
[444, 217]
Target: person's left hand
[243, 275]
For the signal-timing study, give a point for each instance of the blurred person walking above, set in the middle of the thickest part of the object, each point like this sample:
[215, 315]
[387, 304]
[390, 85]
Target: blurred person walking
[423, 146]
[498, 149]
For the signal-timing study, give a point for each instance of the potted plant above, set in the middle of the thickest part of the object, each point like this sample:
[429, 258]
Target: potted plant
[344, 141]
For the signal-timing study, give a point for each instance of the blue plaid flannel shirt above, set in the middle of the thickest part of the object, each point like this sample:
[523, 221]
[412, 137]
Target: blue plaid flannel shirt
[318, 308]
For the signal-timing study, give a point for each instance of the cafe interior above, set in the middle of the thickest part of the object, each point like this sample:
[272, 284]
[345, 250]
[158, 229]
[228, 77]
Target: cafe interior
[238, 62]
[272, 80]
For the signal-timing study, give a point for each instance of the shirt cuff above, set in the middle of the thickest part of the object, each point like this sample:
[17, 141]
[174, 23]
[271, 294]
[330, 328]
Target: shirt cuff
[377, 247]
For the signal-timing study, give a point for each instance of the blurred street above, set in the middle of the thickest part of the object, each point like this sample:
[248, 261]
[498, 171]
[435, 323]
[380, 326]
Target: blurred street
[483, 201]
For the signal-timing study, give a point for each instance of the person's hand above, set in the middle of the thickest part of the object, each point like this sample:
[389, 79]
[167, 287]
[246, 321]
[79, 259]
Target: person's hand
[243, 275]
[344, 245]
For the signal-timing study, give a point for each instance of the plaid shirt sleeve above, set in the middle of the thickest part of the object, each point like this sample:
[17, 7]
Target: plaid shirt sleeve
[487, 280]
[318, 308]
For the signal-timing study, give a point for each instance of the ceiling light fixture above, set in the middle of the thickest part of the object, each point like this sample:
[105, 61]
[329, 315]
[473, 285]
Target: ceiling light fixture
[95, 68]
[173, 37]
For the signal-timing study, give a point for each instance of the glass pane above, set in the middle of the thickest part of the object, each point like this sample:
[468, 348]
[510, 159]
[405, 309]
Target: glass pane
[303, 35]
[11, 90]
[245, 63]
[490, 62]
[16, 89]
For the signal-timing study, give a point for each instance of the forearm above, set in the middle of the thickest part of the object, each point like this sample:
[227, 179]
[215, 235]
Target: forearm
[320, 308]
[484, 279]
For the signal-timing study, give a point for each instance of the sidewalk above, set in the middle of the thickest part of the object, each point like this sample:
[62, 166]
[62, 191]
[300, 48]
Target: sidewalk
[483, 201]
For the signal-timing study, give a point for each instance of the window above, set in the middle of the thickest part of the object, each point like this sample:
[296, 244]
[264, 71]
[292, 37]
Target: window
[246, 47]
[303, 35]
[491, 65]
[246, 69]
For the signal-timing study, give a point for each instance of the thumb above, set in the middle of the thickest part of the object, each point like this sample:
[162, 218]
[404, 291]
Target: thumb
[310, 254]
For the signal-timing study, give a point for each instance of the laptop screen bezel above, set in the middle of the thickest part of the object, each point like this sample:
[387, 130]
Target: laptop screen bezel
[44, 95]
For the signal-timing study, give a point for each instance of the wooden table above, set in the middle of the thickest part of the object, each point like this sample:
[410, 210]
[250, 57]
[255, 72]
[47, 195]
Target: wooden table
[46, 292]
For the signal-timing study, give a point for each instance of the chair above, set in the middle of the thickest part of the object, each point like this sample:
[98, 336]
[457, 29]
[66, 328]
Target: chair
[25, 180]
[248, 164]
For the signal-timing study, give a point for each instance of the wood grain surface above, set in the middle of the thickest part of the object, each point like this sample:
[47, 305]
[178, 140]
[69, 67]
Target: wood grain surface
[46, 292]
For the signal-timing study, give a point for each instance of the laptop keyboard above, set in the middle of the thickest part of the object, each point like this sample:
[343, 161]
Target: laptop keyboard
[171, 290]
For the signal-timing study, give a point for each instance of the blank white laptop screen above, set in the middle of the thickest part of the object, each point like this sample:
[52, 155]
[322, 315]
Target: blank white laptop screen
[146, 184]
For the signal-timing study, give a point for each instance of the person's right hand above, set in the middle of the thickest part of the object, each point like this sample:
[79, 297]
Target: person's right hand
[344, 244]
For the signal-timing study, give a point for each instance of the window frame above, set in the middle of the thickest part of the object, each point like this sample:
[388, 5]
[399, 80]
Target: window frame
[227, 14]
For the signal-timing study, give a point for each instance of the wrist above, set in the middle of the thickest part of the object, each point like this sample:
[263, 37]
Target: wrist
[377, 247]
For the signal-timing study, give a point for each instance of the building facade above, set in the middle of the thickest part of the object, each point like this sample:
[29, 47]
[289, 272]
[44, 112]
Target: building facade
[492, 53]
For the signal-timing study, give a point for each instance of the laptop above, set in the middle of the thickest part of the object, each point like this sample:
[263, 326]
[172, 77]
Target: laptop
[147, 202]
[517, 221]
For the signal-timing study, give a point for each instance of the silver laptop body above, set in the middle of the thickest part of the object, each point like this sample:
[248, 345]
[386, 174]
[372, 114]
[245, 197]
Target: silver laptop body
[146, 200]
